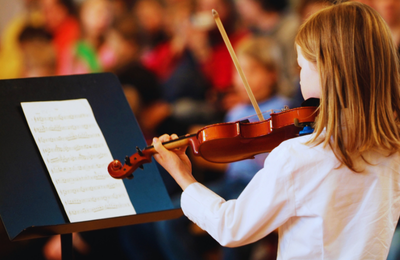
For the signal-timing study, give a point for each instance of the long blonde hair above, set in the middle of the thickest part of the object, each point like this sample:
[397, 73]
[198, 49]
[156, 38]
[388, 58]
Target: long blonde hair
[359, 74]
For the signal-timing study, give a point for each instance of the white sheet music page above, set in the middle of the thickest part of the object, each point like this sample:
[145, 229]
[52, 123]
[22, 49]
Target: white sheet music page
[76, 156]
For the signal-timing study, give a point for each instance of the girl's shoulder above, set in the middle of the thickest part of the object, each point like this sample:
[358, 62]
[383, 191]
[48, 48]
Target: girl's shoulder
[299, 147]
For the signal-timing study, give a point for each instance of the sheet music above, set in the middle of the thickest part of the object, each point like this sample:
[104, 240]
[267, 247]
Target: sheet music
[76, 156]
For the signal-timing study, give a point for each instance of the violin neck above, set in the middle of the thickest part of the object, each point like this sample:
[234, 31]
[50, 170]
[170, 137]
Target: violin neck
[181, 141]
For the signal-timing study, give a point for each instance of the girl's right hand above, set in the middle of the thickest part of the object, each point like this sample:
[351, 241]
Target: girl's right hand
[175, 161]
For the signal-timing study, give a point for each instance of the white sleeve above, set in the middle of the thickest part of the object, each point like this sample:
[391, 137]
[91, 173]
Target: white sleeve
[264, 205]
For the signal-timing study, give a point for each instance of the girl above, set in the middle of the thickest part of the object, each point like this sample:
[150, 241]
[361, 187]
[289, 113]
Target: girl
[334, 194]
[261, 62]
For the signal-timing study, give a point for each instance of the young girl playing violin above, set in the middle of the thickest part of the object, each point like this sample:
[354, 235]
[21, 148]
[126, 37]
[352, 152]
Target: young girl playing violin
[334, 194]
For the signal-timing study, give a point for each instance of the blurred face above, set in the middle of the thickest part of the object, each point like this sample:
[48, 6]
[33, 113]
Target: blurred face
[309, 77]
[249, 10]
[96, 16]
[54, 13]
[389, 9]
[207, 5]
[261, 80]
[150, 15]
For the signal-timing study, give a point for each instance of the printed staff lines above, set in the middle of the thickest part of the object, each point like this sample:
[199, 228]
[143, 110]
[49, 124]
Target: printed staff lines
[58, 169]
[58, 149]
[96, 177]
[97, 209]
[80, 157]
[90, 188]
[60, 117]
[59, 128]
[68, 138]
[95, 199]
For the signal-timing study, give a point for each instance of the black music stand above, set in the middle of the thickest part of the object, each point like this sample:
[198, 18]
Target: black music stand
[29, 204]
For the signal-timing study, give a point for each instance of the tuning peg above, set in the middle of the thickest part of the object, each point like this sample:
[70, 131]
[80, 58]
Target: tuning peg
[139, 151]
[128, 161]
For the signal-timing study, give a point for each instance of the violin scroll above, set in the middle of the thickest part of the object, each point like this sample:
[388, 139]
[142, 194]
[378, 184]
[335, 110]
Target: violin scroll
[119, 171]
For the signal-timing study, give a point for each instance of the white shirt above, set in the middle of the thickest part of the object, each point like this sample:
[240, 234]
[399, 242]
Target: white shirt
[322, 211]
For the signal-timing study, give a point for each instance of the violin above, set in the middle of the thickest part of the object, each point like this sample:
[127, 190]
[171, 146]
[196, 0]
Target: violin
[228, 142]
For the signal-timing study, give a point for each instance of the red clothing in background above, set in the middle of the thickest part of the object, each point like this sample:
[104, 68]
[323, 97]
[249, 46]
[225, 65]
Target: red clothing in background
[64, 38]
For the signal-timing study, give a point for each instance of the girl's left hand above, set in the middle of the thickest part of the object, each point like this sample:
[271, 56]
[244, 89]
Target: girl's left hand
[176, 162]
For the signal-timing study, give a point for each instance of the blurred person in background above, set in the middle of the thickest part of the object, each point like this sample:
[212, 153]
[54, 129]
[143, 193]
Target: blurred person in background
[183, 84]
[38, 53]
[150, 16]
[121, 8]
[88, 53]
[141, 86]
[306, 8]
[11, 58]
[60, 20]
[390, 11]
[206, 43]
[367, 2]
[261, 61]
[194, 65]
[273, 18]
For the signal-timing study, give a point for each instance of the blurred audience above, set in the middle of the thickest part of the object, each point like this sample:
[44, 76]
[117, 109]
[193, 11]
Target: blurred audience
[38, 53]
[194, 64]
[390, 11]
[176, 73]
[88, 53]
[306, 8]
[274, 18]
[11, 59]
[150, 16]
[61, 21]
[123, 44]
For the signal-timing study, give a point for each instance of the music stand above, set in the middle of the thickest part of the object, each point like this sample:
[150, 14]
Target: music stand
[29, 204]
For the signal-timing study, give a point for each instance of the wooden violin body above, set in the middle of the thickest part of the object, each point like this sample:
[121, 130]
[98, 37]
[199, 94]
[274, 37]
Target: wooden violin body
[228, 142]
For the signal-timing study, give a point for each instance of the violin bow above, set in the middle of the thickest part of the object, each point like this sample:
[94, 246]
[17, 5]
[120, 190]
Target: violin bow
[237, 65]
